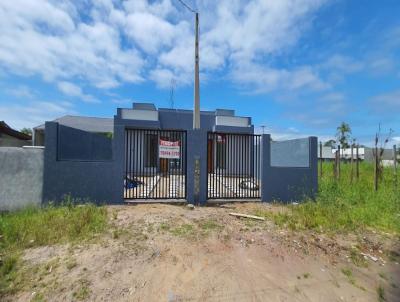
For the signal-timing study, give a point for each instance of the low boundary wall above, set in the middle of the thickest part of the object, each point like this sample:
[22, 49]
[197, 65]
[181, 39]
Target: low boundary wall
[21, 177]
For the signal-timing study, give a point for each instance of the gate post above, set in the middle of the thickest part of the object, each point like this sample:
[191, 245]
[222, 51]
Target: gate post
[196, 177]
[265, 168]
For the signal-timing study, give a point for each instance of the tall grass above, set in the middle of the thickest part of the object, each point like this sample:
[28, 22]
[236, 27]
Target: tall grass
[344, 205]
[32, 227]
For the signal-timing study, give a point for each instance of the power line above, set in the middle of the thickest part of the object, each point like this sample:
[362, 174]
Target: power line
[187, 6]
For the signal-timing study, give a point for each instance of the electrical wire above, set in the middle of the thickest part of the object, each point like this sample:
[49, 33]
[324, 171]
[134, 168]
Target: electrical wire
[187, 6]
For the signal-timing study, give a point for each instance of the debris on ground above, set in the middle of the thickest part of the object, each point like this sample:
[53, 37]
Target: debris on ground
[247, 216]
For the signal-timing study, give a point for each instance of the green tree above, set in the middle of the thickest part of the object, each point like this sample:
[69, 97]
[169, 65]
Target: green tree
[26, 131]
[343, 134]
[331, 143]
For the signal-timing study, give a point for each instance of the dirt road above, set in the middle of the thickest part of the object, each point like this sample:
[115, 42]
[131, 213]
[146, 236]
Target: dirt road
[171, 253]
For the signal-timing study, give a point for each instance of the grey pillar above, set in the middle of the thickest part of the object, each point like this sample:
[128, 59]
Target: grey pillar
[196, 177]
[313, 142]
[266, 193]
[119, 163]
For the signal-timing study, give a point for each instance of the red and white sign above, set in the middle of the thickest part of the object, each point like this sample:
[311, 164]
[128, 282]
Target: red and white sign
[167, 149]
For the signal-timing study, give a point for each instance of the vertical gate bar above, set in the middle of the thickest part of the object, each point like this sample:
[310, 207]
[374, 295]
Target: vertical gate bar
[214, 152]
[131, 194]
[242, 165]
[161, 169]
[235, 147]
[214, 164]
[217, 168]
[185, 161]
[158, 168]
[126, 166]
[259, 154]
[221, 172]
[232, 154]
[131, 163]
[138, 160]
[142, 142]
[223, 165]
[228, 170]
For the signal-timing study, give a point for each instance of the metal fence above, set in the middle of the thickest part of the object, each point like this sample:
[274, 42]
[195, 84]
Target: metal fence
[233, 165]
[155, 164]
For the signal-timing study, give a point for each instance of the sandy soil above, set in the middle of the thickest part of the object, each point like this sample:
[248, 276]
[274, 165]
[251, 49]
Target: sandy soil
[159, 252]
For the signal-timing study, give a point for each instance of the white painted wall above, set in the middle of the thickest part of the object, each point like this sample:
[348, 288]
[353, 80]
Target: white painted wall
[236, 121]
[137, 114]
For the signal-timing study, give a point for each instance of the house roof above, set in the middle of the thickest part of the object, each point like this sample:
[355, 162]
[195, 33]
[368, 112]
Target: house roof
[85, 123]
[4, 128]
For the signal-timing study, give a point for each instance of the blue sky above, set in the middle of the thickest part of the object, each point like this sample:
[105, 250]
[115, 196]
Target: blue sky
[299, 67]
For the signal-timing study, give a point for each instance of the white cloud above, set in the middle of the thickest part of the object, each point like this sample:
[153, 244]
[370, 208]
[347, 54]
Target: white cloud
[260, 79]
[73, 90]
[47, 39]
[387, 102]
[34, 113]
[118, 43]
[21, 91]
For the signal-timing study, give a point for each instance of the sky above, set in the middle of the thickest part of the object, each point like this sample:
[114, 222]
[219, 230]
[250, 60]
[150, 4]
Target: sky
[297, 67]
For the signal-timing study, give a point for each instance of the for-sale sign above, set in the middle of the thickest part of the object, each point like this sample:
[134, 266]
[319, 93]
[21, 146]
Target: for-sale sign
[167, 149]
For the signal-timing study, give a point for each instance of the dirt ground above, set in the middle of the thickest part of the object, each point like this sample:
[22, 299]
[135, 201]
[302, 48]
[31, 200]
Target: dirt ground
[160, 252]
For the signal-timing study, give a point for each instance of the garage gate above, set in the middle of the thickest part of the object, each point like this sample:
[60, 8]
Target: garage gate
[155, 164]
[233, 166]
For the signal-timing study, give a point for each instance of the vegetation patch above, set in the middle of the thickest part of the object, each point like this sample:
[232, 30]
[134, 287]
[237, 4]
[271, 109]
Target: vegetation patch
[34, 227]
[342, 205]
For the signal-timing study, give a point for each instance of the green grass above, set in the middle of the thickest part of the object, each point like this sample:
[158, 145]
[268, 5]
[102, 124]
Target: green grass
[345, 206]
[33, 227]
[381, 293]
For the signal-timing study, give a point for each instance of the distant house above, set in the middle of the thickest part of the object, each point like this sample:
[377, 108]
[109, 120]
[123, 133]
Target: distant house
[13, 138]
[364, 154]
[84, 123]
[328, 154]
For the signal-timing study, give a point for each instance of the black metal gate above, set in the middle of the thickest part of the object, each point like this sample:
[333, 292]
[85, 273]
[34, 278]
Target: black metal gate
[233, 164]
[155, 164]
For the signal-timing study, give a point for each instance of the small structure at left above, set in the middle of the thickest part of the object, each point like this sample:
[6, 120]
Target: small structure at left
[12, 138]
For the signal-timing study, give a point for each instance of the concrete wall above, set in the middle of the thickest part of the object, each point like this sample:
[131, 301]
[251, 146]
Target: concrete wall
[10, 141]
[21, 177]
[293, 153]
[75, 144]
[95, 181]
[287, 184]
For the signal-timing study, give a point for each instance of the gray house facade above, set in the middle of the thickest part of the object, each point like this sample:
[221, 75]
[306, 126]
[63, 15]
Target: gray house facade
[154, 154]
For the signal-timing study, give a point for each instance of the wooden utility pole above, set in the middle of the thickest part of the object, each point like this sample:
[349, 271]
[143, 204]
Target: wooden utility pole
[351, 163]
[357, 163]
[320, 159]
[339, 172]
[376, 164]
[196, 112]
[395, 164]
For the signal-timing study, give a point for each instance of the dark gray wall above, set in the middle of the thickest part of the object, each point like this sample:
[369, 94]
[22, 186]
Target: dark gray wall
[287, 184]
[21, 177]
[75, 144]
[94, 181]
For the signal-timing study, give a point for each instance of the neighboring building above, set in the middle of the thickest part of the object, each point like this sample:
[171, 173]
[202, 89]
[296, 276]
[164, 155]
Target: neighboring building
[84, 123]
[13, 138]
[328, 154]
[364, 154]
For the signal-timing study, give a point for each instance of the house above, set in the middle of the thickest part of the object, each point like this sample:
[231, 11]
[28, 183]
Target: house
[220, 147]
[146, 153]
[13, 138]
[328, 154]
[85, 123]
